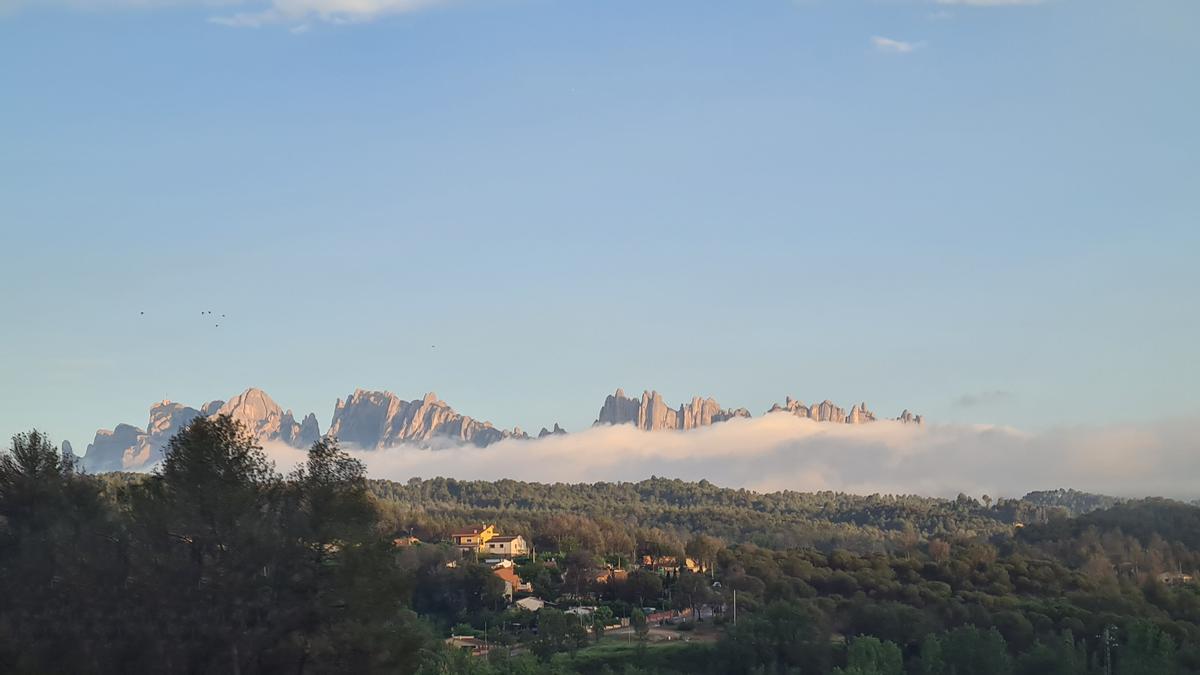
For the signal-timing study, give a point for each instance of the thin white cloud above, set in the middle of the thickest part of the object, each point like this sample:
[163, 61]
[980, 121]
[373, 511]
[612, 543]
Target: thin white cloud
[781, 451]
[332, 11]
[251, 13]
[890, 46]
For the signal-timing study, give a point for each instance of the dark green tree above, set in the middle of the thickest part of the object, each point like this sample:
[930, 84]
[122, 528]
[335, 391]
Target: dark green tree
[870, 656]
[1147, 651]
[641, 627]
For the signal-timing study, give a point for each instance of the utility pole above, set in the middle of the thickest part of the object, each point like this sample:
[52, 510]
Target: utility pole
[735, 607]
[1110, 641]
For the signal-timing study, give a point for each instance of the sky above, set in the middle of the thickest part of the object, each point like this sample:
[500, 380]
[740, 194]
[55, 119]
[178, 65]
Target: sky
[985, 211]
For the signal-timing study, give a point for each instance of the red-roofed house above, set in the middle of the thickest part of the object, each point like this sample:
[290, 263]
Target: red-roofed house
[512, 582]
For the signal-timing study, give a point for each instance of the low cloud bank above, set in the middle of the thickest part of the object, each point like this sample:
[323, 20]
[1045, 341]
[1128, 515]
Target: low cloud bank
[784, 452]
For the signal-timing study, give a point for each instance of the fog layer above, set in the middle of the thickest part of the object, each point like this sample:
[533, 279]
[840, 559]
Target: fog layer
[784, 452]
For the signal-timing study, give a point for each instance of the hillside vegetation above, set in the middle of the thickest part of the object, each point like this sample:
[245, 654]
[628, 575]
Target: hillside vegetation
[217, 564]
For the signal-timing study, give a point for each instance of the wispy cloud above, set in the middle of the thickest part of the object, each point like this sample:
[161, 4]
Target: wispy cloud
[781, 451]
[253, 13]
[982, 398]
[891, 46]
[332, 11]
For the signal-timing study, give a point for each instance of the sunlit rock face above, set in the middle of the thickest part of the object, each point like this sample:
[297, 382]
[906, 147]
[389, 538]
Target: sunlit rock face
[166, 419]
[129, 448]
[263, 418]
[653, 414]
[827, 411]
[380, 419]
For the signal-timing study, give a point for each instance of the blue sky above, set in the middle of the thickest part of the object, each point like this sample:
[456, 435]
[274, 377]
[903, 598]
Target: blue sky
[982, 211]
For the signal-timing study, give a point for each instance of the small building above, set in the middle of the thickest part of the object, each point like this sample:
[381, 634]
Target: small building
[530, 604]
[660, 563]
[401, 542]
[512, 582]
[1175, 578]
[612, 576]
[506, 546]
[468, 643]
[473, 538]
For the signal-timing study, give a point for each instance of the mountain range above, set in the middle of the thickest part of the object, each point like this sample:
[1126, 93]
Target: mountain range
[375, 420]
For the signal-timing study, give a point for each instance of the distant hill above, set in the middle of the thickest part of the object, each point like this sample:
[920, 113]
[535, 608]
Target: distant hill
[822, 520]
[1142, 519]
[1075, 502]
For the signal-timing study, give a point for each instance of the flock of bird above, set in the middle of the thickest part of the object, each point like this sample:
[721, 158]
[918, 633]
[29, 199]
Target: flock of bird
[208, 312]
[202, 313]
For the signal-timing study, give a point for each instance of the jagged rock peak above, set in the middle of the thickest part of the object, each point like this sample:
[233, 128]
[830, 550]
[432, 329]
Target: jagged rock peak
[310, 431]
[380, 419]
[860, 415]
[556, 431]
[118, 449]
[826, 411]
[263, 418]
[68, 453]
[129, 448]
[908, 418]
[652, 413]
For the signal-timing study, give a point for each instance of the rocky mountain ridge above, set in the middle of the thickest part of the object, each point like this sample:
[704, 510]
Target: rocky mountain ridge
[651, 413]
[130, 448]
[374, 420]
[380, 419]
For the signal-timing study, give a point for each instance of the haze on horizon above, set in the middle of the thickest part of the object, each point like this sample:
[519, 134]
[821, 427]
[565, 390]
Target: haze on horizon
[984, 212]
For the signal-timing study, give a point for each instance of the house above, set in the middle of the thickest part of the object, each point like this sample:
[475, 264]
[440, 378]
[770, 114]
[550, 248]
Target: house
[530, 604]
[611, 576]
[469, 644]
[512, 582]
[505, 546]
[401, 542]
[669, 616]
[660, 563]
[1174, 578]
[473, 538]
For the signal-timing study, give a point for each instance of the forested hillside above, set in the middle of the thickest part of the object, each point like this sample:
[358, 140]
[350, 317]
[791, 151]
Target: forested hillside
[823, 520]
[217, 564]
